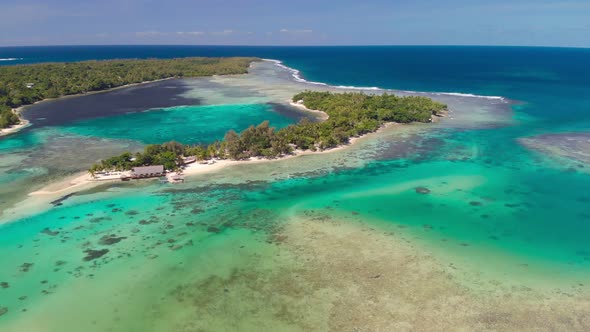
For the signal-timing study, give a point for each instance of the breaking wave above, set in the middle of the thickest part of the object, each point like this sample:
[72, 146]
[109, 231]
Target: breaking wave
[296, 74]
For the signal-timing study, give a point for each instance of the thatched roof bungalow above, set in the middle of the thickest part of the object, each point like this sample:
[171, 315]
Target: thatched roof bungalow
[147, 171]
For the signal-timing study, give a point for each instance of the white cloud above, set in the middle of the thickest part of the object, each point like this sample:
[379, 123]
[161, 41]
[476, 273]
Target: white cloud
[224, 32]
[228, 32]
[150, 33]
[296, 30]
[190, 33]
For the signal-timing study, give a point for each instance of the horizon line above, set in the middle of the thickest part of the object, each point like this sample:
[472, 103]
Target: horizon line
[278, 46]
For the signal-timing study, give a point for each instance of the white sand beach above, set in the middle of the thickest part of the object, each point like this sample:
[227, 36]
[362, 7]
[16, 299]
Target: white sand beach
[299, 104]
[15, 128]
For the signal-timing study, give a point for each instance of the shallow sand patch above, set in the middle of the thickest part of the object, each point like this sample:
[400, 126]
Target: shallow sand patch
[569, 149]
[371, 280]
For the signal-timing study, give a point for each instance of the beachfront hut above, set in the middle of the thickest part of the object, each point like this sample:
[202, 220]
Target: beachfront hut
[188, 160]
[147, 171]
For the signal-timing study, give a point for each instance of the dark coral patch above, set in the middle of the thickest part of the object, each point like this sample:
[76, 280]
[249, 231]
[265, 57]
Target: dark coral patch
[197, 211]
[49, 232]
[422, 190]
[25, 267]
[94, 254]
[213, 229]
[111, 239]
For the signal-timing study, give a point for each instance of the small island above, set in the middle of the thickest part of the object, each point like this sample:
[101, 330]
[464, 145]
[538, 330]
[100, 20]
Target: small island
[348, 115]
[23, 85]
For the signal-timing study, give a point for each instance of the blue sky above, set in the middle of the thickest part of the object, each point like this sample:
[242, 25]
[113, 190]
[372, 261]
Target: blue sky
[296, 22]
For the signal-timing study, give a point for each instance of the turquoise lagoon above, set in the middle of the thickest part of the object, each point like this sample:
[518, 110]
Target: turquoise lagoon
[186, 124]
[39, 155]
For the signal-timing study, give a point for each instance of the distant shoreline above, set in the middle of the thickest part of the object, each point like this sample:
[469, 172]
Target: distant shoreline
[25, 123]
[177, 68]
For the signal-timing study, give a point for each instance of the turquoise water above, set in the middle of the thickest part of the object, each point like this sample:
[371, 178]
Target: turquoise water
[186, 124]
[21, 141]
[494, 207]
[38, 155]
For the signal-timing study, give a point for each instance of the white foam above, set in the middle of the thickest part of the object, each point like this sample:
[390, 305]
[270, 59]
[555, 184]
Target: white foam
[296, 74]
[468, 95]
[457, 94]
[10, 59]
[352, 87]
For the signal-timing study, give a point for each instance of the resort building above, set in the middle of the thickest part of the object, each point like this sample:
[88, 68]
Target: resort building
[147, 171]
[188, 160]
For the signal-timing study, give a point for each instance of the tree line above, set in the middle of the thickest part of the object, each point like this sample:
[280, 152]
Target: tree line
[25, 84]
[349, 115]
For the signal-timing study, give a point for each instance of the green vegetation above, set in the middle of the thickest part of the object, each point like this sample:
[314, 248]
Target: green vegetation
[25, 84]
[8, 117]
[168, 154]
[355, 114]
[350, 115]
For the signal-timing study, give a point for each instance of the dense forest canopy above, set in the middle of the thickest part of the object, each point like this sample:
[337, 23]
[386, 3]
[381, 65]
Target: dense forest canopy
[350, 115]
[25, 84]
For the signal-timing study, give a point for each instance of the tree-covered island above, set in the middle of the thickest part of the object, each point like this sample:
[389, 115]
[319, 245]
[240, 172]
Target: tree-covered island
[25, 84]
[349, 115]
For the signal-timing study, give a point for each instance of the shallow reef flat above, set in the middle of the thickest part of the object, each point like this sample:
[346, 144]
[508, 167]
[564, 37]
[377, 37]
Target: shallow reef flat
[178, 260]
[373, 278]
[572, 148]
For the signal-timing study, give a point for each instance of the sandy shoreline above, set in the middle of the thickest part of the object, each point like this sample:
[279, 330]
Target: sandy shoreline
[323, 116]
[15, 128]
